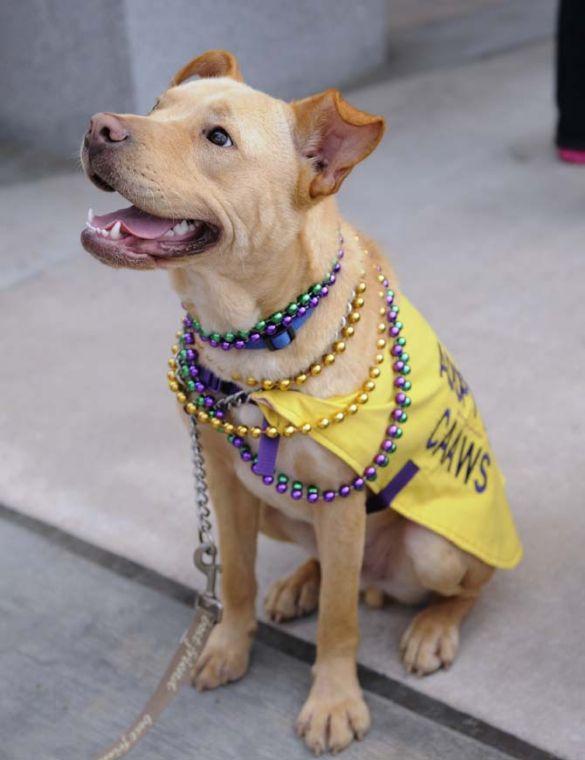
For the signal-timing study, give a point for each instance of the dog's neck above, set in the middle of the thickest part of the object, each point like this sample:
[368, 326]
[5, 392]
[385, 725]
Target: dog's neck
[235, 299]
[270, 271]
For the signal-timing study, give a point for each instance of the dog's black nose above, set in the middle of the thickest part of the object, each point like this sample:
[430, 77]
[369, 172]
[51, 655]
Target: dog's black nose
[105, 130]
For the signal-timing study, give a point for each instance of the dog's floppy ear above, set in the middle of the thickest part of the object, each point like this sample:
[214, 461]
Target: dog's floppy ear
[213, 63]
[335, 136]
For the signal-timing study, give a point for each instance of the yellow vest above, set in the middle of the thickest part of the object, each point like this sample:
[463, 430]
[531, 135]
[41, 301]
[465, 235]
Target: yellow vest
[445, 474]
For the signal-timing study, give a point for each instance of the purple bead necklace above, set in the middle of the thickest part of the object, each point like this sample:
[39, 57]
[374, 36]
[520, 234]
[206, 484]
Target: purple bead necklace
[401, 368]
[265, 328]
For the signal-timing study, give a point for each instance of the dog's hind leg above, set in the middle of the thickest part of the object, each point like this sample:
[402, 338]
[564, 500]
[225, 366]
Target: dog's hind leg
[432, 639]
[296, 595]
[374, 598]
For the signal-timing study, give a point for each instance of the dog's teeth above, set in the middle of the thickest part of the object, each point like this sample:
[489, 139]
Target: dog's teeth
[181, 228]
[90, 215]
[115, 233]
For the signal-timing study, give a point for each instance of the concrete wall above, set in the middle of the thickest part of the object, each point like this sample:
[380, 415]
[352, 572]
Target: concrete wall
[289, 48]
[62, 60]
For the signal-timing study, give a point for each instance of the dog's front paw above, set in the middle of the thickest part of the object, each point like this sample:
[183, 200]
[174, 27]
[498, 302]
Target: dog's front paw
[225, 658]
[430, 642]
[334, 714]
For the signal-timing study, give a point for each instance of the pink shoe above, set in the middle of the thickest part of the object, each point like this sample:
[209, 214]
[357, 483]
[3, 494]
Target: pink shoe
[572, 156]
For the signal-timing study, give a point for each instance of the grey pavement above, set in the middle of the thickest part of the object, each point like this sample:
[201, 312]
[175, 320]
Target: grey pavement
[77, 668]
[485, 229]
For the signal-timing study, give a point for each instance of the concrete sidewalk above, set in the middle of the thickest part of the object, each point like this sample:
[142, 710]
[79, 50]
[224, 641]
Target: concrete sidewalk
[486, 231]
[77, 668]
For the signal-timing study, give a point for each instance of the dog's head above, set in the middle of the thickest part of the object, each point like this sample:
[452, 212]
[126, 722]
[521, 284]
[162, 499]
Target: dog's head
[217, 165]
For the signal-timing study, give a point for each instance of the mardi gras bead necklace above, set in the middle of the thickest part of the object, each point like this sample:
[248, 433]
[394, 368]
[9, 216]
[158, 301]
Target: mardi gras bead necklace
[338, 347]
[263, 332]
[236, 433]
[186, 377]
[190, 376]
[205, 405]
[296, 489]
[184, 370]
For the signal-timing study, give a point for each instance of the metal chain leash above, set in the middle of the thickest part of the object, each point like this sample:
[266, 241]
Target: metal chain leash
[205, 556]
[206, 553]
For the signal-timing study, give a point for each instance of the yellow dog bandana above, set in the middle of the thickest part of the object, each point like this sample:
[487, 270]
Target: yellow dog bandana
[443, 474]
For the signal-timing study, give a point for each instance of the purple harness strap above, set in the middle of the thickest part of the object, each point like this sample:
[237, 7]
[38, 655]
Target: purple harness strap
[267, 453]
[379, 501]
[268, 447]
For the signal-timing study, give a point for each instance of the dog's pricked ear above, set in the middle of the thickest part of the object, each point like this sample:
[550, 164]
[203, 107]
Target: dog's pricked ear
[335, 136]
[213, 63]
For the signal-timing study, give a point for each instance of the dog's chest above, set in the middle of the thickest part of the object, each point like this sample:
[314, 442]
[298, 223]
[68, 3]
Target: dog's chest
[300, 458]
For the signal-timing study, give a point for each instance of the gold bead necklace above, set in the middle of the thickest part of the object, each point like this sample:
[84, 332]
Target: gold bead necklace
[328, 359]
[361, 397]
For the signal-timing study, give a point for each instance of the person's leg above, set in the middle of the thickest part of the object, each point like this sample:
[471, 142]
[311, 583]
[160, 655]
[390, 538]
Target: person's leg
[570, 136]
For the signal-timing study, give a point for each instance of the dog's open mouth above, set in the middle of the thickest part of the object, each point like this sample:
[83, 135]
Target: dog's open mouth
[133, 238]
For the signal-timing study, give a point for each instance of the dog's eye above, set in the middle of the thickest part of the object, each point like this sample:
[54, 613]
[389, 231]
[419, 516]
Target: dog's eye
[219, 136]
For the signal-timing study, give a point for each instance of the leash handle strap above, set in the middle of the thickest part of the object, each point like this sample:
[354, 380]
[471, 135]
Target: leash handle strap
[178, 673]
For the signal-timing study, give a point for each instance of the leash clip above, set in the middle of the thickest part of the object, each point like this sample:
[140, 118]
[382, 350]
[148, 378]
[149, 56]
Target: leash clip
[205, 561]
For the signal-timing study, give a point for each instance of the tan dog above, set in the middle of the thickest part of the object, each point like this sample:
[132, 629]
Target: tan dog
[254, 179]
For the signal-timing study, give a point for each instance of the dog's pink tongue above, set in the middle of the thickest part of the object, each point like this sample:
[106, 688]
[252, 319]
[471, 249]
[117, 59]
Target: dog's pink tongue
[136, 222]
